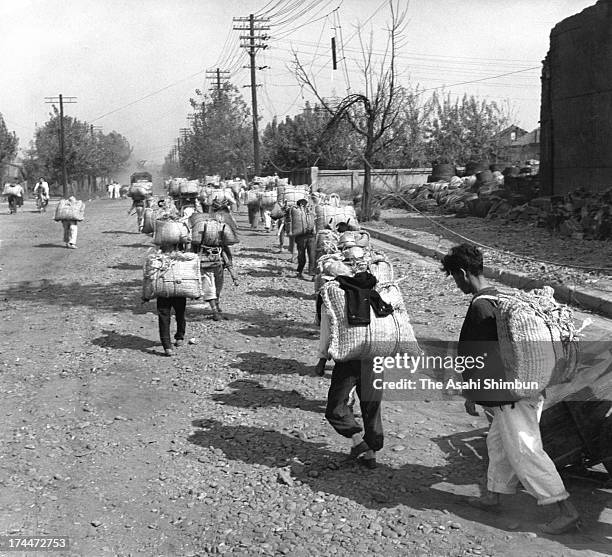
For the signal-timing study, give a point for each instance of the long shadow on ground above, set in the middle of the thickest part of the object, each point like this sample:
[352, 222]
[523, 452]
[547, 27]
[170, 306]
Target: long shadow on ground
[119, 232]
[100, 296]
[267, 326]
[111, 339]
[252, 394]
[417, 486]
[280, 293]
[260, 363]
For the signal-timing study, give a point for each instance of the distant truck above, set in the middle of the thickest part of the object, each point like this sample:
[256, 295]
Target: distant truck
[141, 177]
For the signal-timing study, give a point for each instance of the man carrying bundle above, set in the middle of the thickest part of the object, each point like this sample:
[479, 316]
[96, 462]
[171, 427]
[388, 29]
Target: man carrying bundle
[514, 441]
[306, 245]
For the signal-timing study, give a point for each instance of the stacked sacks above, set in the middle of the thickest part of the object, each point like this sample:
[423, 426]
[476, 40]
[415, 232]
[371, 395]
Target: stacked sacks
[268, 199]
[174, 186]
[220, 196]
[174, 274]
[139, 191]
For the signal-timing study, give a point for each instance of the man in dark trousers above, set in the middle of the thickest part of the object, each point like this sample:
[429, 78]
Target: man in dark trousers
[514, 442]
[306, 245]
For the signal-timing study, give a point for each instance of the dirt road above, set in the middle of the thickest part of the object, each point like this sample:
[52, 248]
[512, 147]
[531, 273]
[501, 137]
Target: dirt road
[224, 448]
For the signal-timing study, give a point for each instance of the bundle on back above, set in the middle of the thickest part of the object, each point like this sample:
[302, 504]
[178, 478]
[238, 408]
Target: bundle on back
[70, 210]
[169, 231]
[10, 190]
[383, 336]
[173, 274]
[140, 190]
[537, 338]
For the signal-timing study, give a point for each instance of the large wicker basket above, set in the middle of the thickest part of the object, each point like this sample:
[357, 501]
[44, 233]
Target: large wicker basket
[70, 210]
[170, 232]
[302, 222]
[537, 338]
[169, 275]
[384, 336]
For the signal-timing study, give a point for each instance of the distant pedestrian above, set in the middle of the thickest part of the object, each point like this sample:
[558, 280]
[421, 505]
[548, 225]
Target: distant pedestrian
[116, 189]
[15, 198]
[70, 228]
[306, 246]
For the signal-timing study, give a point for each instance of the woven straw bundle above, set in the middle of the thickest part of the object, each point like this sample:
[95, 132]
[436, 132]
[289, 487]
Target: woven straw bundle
[10, 190]
[326, 242]
[537, 337]
[268, 199]
[384, 336]
[189, 187]
[148, 220]
[170, 232]
[70, 210]
[220, 196]
[302, 221]
[252, 197]
[168, 275]
[330, 216]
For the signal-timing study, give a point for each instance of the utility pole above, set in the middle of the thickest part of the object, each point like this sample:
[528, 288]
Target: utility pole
[93, 129]
[253, 43]
[68, 100]
[218, 75]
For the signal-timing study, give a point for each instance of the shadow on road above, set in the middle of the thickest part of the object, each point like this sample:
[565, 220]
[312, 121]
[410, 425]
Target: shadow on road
[111, 339]
[126, 267]
[119, 296]
[119, 232]
[252, 394]
[267, 326]
[260, 363]
[50, 246]
[137, 245]
[280, 293]
[414, 485]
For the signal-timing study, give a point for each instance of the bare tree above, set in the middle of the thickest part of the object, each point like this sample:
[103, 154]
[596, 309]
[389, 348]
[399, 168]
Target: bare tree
[373, 112]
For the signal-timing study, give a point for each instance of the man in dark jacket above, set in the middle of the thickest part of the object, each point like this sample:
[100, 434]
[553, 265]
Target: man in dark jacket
[514, 442]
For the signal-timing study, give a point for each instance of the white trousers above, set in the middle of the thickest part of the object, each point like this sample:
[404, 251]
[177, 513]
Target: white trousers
[70, 231]
[267, 220]
[516, 454]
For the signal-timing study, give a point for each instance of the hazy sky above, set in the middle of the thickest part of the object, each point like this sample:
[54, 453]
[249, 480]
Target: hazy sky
[114, 53]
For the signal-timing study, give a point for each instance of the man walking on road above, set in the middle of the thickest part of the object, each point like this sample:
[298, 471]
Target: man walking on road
[514, 441]
[305, 246]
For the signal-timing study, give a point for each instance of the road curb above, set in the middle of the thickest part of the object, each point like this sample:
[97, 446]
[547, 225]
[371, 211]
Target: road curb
[582, 298]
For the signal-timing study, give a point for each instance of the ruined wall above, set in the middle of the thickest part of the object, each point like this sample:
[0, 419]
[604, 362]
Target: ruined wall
[576, 111]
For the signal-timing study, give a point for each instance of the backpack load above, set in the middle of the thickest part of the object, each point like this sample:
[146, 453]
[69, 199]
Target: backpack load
[170, 232]
[330, 216]
[67, 210]
[291, 194]
[252, 197]
[302, 222]
[148, 220]
[11, 190]
[169, 275]
[538, 340]
[189, 187]
[268, 199]
[221, 196]
[174, 186]
[384, 336]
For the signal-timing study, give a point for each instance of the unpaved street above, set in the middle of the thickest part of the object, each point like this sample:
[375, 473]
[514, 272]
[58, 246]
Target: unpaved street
[224, 448]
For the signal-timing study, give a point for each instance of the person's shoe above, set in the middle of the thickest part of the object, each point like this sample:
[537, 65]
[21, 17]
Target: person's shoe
[168, 352]
[369, 463]
[359, 449]
[179, 342]
[561, 525]
[300, 276]
[216, 316]
[71, 246]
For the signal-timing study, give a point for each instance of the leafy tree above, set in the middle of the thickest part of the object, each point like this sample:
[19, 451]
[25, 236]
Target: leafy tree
[463, 129]
[300, 142]
[221, 135]
[87, 155]
[8, 144]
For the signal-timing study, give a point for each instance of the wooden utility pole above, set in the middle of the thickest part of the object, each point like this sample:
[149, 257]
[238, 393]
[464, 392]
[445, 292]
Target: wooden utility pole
[220, 77]
[253, 43]
[68, 100]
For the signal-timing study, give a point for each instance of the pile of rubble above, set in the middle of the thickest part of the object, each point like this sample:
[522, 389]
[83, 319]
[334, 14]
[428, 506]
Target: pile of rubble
[579, 215]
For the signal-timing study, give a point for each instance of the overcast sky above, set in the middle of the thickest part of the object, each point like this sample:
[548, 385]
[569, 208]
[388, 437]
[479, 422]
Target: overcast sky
[116, 55]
